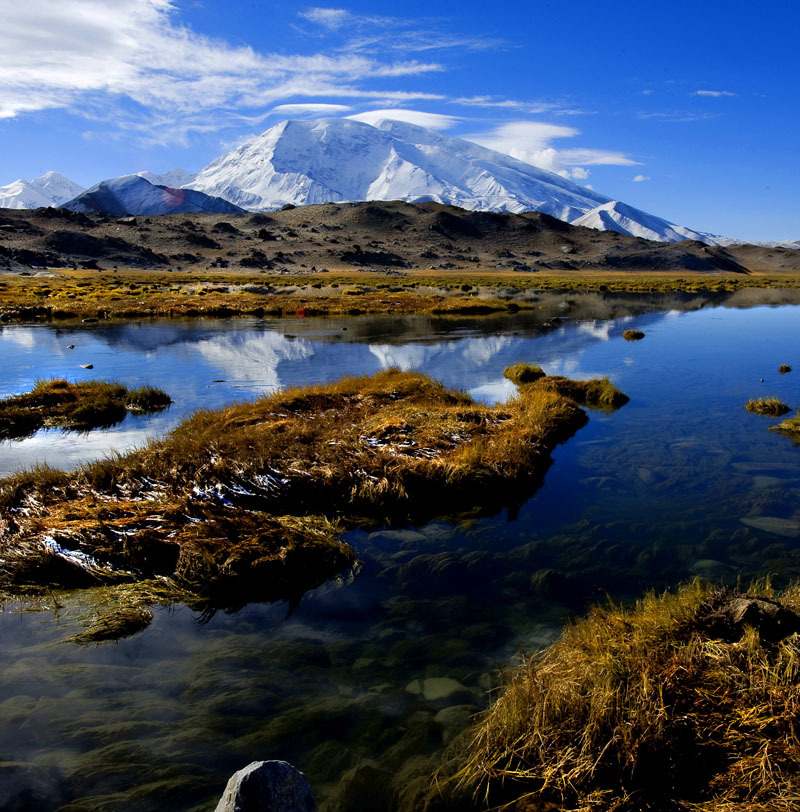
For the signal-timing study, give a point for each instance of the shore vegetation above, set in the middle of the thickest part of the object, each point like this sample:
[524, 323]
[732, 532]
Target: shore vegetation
[687, 700]
[127, 293]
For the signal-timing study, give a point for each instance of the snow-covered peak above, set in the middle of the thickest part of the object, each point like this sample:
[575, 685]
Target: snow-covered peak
[133, 194]
[339, 159]
[174, 178]
[51, 189]
[625, 219]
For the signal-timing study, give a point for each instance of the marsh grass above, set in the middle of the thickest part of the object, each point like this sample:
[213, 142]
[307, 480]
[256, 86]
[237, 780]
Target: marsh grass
[248, 502]
[633, 335]
[641, 709]
[523, 373]
[789, 427]
[57, 403]
[772, 407]
[597, 393]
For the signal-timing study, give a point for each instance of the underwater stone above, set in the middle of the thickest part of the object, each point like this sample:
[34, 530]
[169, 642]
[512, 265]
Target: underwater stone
[435, 688]
[267, 786]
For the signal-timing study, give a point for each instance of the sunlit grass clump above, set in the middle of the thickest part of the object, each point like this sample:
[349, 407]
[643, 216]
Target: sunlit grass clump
[523, 373]
[249, 502]
[772, 407]
[686, 701]
[790, 427]
[80, 406]
[597, 393]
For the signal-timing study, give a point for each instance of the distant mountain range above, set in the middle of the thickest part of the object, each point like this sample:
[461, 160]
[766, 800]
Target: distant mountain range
[51, 189]
[133, 194]
[338, 160]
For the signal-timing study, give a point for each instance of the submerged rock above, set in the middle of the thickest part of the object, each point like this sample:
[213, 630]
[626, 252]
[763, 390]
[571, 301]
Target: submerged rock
[267, 786]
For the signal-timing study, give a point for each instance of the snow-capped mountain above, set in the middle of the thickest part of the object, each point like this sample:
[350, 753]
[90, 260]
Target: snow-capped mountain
[625, 219]
[132, 194]
[51, 189]
[339, 159]
[174, 178]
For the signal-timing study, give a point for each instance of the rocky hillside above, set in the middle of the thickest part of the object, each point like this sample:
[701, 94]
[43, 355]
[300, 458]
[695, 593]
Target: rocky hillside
[391, 236]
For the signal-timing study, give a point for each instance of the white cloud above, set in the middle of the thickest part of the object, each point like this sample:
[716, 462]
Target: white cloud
[310, 109]
[374, 33]
[434, 121]
[677, 116]
[331, 18]
[529, 141]
[713, 93]
[95, 58]
[641, 178]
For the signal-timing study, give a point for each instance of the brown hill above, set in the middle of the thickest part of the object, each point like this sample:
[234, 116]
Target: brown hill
[350, 236]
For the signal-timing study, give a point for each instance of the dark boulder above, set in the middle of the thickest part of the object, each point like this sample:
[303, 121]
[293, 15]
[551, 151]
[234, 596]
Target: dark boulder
[727, 613]
[267, 786]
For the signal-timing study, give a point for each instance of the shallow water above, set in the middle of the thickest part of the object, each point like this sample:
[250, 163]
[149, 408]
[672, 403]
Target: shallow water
[385, 664]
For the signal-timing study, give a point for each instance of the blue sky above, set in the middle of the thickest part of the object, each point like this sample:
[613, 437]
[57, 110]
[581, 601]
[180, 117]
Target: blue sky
[686, 110]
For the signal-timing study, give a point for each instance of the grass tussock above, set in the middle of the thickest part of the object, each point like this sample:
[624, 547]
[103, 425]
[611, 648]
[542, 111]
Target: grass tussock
[597, 393]
[790, 427]
[633, 335]
[772, 407]
[784, 368]
[57, 403]
[689, 700]
[248, 502]
[523, 373]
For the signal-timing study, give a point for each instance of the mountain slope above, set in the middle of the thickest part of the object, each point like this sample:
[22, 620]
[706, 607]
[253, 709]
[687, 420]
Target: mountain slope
[173, 178]
[132, 194]
[51, 189]
[336, 159]
[625, 219]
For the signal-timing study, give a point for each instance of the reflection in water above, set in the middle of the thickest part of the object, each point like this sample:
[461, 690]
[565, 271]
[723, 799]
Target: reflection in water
[253, 359]
[681, 481]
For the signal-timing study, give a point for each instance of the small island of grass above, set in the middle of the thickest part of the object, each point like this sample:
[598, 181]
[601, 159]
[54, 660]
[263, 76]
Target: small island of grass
[772, 407]
[248, 502]
[523, 373]
[790, 427]
[686, 701]
[75, 406]
[784, 368]
[633, 335]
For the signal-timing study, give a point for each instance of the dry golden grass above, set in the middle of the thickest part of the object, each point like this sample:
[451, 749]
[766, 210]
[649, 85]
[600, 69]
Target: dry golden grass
[248, 502]
[642, 708]
[773, 407]
[523, 373]
[75, 406]
[790, 427]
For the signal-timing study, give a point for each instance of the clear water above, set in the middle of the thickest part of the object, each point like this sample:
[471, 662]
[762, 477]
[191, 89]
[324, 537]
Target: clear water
[680, 481]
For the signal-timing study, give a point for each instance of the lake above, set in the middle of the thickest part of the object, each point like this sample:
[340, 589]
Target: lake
[364, 682]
